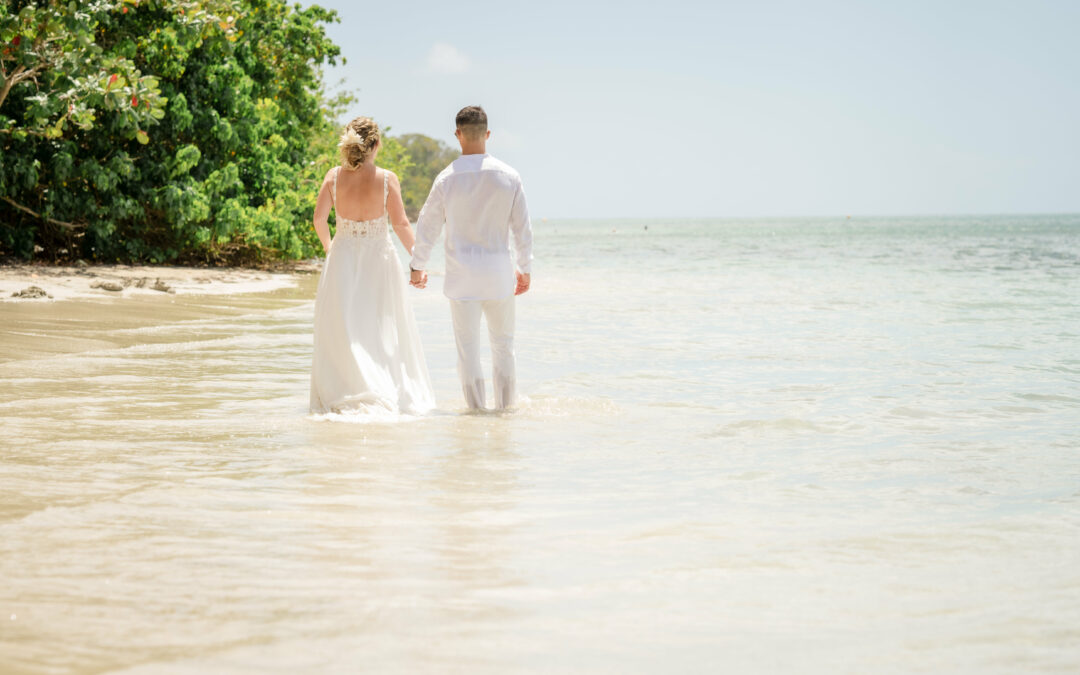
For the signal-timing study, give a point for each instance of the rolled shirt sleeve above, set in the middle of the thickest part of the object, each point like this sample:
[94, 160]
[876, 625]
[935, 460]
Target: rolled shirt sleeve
[429, 225]
[521, 230]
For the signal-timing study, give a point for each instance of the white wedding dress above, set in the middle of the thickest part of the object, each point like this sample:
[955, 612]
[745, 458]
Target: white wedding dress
[368, 359]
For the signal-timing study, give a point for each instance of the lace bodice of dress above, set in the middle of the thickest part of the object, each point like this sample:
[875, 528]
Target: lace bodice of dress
[362, 229]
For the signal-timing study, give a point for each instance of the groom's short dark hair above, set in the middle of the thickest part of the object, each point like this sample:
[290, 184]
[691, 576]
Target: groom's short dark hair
[472, 120]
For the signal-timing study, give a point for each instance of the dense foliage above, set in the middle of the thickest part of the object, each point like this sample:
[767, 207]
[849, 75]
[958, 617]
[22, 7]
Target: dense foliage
[165, 130]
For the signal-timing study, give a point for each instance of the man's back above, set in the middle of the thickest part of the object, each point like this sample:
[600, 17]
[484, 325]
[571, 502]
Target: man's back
[481, 201]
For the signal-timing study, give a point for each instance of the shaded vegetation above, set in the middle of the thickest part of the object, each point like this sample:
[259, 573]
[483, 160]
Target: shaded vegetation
[166, 130]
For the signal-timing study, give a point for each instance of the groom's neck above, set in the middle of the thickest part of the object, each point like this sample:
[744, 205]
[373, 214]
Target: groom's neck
[474, 148]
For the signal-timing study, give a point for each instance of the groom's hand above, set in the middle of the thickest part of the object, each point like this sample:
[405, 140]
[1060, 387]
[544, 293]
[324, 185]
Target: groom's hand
[523, 281]
[417, 278]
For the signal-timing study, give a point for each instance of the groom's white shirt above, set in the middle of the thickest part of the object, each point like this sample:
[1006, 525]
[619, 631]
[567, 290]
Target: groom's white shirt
[482, 204]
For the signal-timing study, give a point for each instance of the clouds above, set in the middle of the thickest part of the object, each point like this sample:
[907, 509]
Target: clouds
[446, 59]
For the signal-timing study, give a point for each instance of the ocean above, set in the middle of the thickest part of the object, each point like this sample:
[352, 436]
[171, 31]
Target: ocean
[771, 445]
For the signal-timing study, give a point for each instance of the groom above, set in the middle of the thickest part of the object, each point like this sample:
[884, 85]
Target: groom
[481, 202]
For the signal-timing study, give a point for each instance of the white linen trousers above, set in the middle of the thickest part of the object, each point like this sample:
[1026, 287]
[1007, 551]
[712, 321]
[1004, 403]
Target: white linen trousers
[499, 315]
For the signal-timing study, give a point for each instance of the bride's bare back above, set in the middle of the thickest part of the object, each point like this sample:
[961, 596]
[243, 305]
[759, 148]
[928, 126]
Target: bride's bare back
[360, 197]
[360, 193]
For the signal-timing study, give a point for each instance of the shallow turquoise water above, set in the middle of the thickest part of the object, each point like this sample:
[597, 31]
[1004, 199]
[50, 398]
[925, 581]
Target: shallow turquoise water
[803, 445]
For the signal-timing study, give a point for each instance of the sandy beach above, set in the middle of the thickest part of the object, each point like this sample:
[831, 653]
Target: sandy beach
[49, 310]
[28, 283]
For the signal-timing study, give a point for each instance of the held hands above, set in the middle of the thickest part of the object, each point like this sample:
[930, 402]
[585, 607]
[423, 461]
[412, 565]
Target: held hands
[417, 278]
[523, 281]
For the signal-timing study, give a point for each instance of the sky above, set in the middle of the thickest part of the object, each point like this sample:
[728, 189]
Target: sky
[739, 109]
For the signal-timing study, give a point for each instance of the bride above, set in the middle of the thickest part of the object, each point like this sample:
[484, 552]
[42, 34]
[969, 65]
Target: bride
[368, 357]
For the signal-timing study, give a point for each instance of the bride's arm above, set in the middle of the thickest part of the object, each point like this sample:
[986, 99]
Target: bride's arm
[398, 219]
[322, 212]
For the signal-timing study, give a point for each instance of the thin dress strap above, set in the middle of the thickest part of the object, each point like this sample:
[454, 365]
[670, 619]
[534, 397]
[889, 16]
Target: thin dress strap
[385, 191]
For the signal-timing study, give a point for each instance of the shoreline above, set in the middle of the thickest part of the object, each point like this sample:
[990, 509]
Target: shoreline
[153, 306]
[28, 282]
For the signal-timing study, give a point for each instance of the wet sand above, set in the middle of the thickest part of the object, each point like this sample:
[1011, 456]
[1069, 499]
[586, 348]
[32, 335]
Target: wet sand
[55, 282]
[77, 309]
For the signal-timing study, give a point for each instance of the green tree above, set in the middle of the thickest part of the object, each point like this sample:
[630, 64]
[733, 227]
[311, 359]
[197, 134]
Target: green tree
[208, 145]
[57, 78]
[52, 46]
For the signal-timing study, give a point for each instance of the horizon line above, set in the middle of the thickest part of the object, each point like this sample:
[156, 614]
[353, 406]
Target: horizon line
[845, 216]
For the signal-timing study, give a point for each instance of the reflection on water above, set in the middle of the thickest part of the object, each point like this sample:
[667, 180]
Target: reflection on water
[773, 446]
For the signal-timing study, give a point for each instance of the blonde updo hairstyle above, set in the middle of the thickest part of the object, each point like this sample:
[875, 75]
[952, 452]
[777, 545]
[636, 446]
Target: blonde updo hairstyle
[358, 141]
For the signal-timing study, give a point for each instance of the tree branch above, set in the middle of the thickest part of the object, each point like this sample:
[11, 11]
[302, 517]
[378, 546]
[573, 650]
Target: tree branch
[25, 131]
[61, 223]
[9, 82]
[18, 75]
